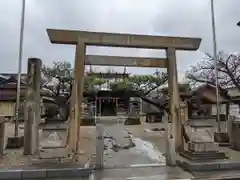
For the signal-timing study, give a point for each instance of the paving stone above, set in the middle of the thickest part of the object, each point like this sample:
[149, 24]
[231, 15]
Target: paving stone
[38, 173]
[205, 167]
[229, 165]
[10, 174]
[68, 173]
[218, 175]
[189, 166]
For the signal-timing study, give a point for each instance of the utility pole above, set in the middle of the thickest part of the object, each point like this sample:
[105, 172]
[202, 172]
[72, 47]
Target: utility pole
[19, 69]
[215, 64]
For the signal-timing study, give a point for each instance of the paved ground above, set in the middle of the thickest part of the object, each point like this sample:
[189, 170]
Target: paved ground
[127, 150]
[144, 153]
[153, 173]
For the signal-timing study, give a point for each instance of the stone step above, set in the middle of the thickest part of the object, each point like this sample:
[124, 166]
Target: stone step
[203, 156]
[211, 165]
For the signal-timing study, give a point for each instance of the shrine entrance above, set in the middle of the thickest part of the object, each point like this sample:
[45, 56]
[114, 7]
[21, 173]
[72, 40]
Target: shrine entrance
[107, 106]
[82, 39]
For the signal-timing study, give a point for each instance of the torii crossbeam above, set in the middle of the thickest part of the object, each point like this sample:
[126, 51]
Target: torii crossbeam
[125, 61]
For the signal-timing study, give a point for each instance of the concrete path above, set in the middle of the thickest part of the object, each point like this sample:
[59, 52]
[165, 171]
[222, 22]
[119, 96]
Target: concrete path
[132, 158]
[123, 150]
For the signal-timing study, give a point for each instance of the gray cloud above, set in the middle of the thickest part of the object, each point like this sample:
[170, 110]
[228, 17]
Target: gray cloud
[161, 17]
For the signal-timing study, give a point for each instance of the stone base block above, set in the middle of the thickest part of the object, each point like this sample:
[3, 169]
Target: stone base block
[203, 147]
[58, 173]
[202, 156]
[53, 126]
[88, 121]
[221, 137]
[205, 166]
[15, 142]
[132, 121]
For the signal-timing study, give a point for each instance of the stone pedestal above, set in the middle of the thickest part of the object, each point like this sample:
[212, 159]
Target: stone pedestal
[202, 147]
[200, 152]
[89, 116]
[234, 132]
[133, 116]
[199, 141]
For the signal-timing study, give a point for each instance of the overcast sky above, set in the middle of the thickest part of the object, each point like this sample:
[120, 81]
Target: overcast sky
[157, 17]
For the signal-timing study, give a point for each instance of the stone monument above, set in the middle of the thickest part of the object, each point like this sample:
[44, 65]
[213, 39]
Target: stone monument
[89, 117]
[133, 116]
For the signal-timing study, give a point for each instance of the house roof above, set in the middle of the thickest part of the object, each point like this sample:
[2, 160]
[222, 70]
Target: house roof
[11, 85]
[6, 78]
[8, 86]
[209, 87]
[208, 92]
[11, 95]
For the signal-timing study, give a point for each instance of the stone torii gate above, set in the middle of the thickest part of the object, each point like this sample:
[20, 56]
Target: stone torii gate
[83, 38]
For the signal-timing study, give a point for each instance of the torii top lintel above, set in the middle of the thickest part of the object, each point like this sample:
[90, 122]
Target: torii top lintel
[72, 37]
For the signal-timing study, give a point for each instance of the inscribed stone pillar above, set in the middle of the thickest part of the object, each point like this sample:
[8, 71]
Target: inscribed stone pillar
[132, 111]
[99, 146]
[184, 111]
[32, 107]
[77, 97]
[174, 105]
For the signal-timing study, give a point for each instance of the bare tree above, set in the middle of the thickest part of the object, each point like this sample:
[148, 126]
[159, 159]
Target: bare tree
[228, 65]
